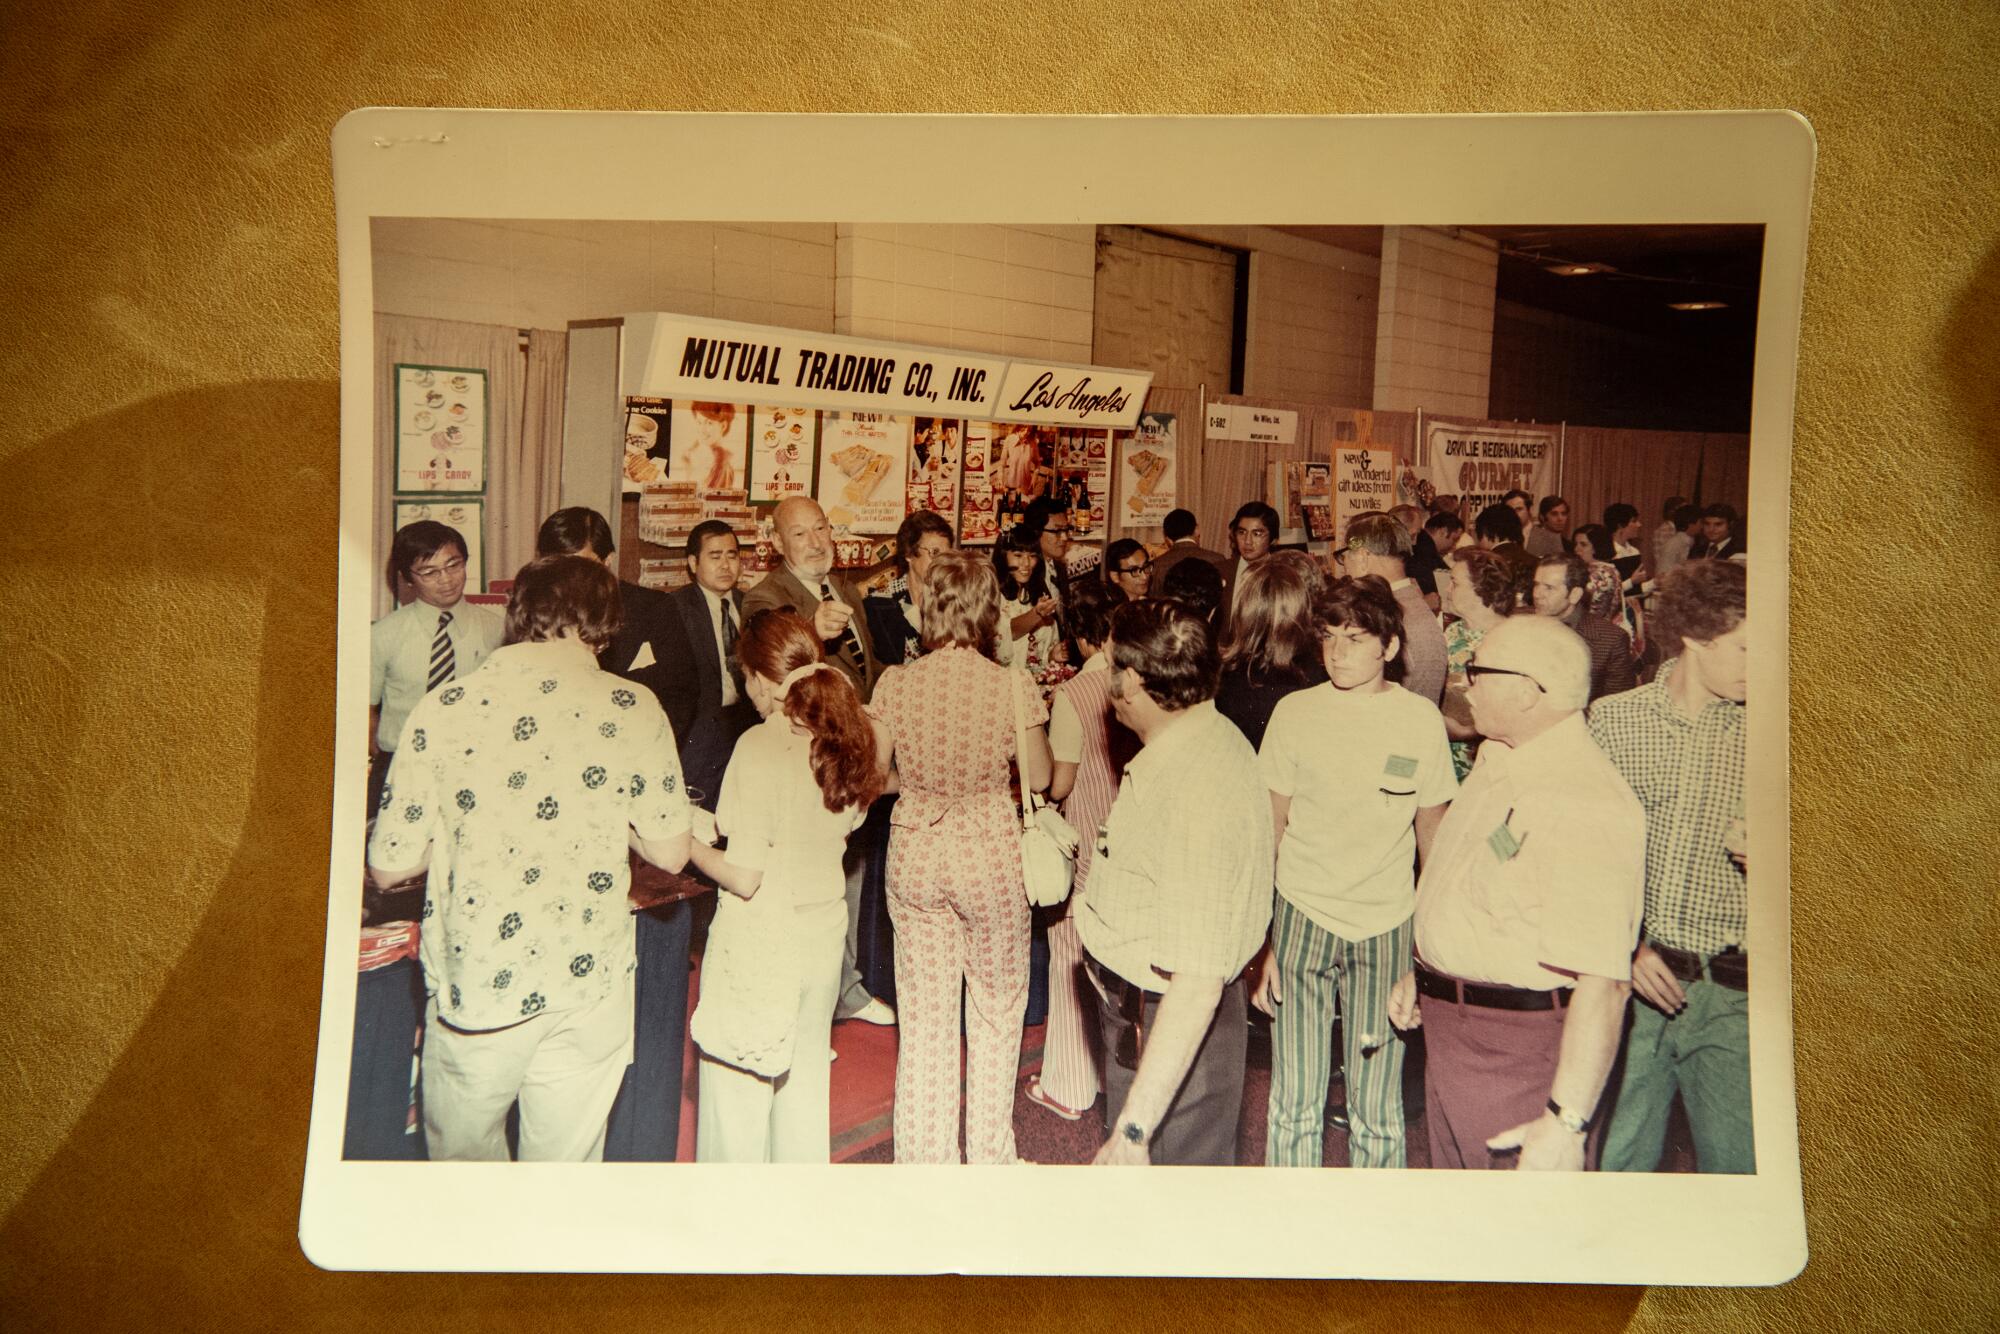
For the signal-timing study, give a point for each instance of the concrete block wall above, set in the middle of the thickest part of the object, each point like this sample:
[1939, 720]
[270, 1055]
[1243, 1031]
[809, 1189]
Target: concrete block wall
[1016, 290]
[1434, 327]
[535, 274]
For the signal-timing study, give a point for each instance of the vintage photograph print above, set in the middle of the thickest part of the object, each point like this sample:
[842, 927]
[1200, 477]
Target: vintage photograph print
[1244, 681]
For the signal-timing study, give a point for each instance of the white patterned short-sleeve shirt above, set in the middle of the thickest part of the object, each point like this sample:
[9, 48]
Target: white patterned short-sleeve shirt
[522, 778]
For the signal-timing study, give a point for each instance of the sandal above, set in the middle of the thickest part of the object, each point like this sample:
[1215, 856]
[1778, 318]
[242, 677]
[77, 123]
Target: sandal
[1044, 1101]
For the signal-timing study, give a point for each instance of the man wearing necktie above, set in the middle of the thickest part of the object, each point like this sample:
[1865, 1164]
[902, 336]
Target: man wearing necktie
[424, 643]
[808, 584]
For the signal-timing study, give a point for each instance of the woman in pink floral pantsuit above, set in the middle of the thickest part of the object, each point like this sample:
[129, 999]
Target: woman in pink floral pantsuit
[955, 894]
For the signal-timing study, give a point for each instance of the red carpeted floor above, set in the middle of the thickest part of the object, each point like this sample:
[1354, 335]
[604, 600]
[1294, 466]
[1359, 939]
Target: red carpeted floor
[864, 1083]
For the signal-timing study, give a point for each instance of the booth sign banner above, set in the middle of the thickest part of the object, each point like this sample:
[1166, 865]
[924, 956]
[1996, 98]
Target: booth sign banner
[1364, 481]
[678, 357]
[1480, 464]
[1258, 426]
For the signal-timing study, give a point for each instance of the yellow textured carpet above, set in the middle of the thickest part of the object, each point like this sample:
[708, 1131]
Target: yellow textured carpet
[168, 458]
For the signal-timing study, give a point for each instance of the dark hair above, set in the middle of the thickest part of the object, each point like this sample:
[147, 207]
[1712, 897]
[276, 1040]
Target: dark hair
[556, 593]
[1367, 605]
[1021, 537]
[1526, 499]
[1121, 550]
[1721, 511]
[1087, 610]
[1257, 509]
[1699, 600]
[1170, 648]
[774, 642]
[1040, 510]
[706, 529]
[1197, 586]
[1493, 578]
[1379, 534]
[1179, 524]
[1686, 515]
[1575, 573]
[1444, 521]
[1549, 503]
[1270, 622]
[1668, 510]
[569, 531]
[1618, 514]
[1600, 540]
[420, 541]
[1497, 522]
[913, 530]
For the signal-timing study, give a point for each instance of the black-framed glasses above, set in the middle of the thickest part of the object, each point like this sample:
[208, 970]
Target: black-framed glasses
[1473, 671]
[1140, 568]
[1340, 555]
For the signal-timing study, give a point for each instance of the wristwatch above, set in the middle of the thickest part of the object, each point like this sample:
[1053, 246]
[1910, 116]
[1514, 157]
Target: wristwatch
[1570, 1121]
[1133, 1131]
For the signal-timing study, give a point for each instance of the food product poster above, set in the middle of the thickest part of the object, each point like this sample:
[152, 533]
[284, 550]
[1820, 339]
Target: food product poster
[863, 456]
[1023, 467]
[978, 522]
[646, 442]
[784, 446]
[467, 517]
[1309, 499]
[440, 428]
[1082, 480]
[1148, 482]
[668, 512]
[710, 445]
[1363, 480]
[937, 448]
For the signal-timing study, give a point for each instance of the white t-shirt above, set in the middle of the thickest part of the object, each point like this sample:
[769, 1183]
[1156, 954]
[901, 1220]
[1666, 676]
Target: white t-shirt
[1357, 768]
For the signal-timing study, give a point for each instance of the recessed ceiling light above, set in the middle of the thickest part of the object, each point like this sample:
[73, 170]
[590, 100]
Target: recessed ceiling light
[1578, 270]
[1698, 305]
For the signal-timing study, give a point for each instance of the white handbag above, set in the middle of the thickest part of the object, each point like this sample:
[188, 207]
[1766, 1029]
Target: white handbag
[1048, 843]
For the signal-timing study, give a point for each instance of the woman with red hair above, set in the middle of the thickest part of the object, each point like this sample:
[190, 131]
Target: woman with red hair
[796, 786]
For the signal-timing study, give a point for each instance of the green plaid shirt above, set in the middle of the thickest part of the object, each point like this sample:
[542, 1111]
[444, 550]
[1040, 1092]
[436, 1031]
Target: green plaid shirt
[1688, 774]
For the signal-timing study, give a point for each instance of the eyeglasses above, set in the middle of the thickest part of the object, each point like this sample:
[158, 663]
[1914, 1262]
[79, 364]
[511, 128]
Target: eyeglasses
[431, 573]
[1473, 671]
[1340, 556]
[1140, 568]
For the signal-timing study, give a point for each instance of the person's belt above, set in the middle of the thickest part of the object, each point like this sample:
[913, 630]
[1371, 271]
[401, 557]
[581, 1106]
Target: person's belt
[1439, 986]
[1730, 968]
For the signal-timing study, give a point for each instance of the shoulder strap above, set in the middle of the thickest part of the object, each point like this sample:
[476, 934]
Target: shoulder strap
[1021, 745]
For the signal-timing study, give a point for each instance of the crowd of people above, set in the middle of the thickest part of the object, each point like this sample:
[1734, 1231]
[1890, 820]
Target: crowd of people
[1480, 781]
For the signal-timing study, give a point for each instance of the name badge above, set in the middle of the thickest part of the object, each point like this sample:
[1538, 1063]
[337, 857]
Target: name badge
[1505, 846]
[1400, 766]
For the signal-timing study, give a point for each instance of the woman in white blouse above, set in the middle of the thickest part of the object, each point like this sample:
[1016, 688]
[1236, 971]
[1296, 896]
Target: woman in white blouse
[796, 786]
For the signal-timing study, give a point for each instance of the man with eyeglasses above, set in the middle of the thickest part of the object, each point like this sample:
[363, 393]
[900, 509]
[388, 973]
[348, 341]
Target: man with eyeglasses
[1128, 568]
[1527, 911]
[423, 644]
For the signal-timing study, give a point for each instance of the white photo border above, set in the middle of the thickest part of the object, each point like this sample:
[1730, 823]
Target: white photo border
[1655, 1228]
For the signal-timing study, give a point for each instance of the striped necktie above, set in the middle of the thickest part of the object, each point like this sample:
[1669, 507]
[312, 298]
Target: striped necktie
[848, 642]
[443, 664]
[729, 635]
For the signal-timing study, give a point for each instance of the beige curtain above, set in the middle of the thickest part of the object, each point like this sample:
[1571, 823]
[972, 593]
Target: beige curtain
[1602, 465]
[524, 440]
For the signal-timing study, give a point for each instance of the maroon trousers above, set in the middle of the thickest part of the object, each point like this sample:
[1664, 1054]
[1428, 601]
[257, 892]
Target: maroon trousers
[1487, 1071]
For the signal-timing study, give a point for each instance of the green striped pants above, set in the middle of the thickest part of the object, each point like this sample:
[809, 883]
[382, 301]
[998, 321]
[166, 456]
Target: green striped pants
[1313, 965]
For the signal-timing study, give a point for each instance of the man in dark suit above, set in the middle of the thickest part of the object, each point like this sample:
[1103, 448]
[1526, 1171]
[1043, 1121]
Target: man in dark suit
[807, 583]
[1718, 539]
[1560, 584]
[655, 648]
[1184, 541]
